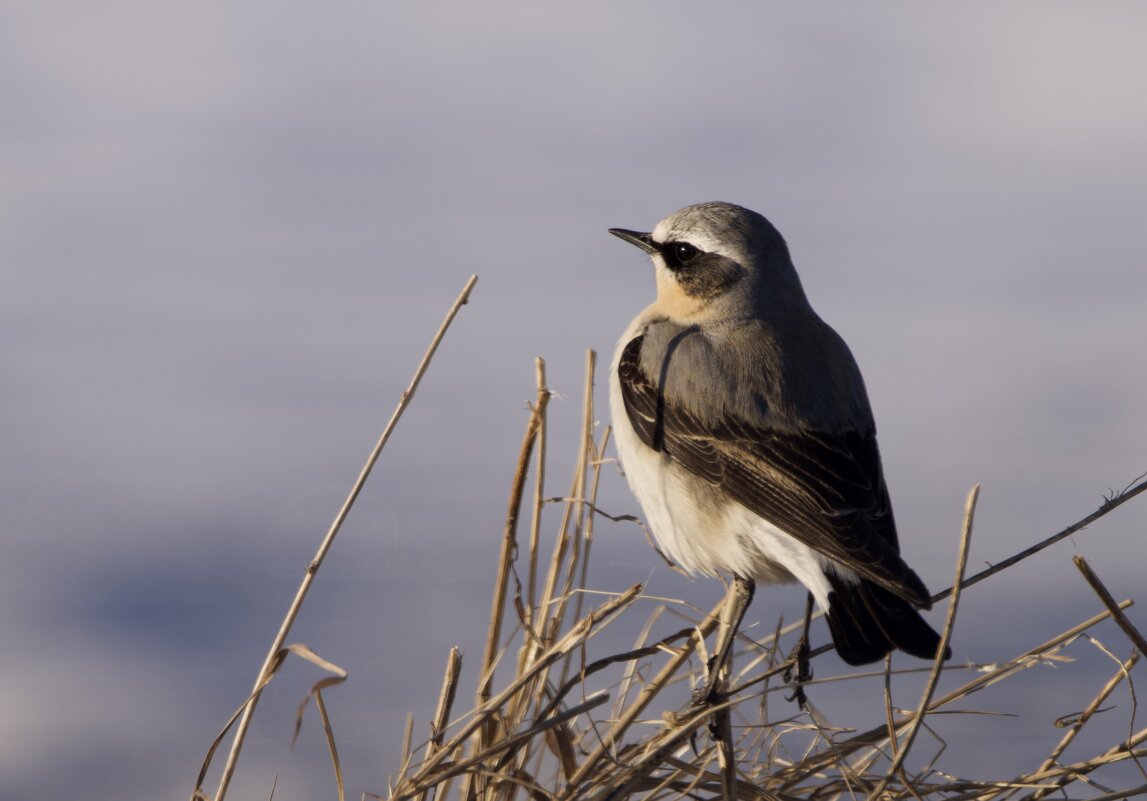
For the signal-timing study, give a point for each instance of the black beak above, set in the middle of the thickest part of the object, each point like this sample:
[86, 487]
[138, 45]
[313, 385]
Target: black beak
[643, 241]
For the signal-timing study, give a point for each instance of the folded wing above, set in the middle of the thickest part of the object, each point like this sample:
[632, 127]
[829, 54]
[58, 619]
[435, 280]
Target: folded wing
[826, 489]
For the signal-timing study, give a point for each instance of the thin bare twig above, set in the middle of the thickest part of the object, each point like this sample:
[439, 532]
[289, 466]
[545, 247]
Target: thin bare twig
[1077, 726]
[945, 638]
[442, 713]
[580, 631]
[595, 700]
[328, 541]
[509, 547]
[1120, 794]
[625, 720]
[1128, 627]
[790, 776]
[1109, 505]
[539, 494]
[328, 732]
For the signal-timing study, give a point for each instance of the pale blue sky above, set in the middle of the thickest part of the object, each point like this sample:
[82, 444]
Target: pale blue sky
[228, 231]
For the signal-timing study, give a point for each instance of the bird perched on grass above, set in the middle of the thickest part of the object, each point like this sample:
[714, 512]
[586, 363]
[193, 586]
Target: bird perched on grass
[745, 432]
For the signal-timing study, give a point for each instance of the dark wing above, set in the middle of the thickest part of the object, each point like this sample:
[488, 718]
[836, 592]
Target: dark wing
[827, 490]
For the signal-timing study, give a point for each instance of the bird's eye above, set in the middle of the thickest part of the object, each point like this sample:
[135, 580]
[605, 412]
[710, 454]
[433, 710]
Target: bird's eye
[682, 252]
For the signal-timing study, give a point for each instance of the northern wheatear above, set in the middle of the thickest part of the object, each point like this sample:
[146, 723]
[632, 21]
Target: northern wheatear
[745, 432]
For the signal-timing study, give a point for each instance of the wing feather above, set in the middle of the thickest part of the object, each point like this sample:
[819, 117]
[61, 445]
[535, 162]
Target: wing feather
[825, 489]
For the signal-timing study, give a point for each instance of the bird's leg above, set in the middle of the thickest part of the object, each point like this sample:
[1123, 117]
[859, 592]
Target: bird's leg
[800, 654]
[737, 601]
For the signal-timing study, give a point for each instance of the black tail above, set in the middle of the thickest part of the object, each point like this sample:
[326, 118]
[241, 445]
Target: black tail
[867, 622]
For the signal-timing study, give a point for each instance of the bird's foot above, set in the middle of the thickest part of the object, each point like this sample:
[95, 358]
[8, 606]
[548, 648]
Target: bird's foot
[799, 657]
[707, 695]
[702, 699]
[704, 696]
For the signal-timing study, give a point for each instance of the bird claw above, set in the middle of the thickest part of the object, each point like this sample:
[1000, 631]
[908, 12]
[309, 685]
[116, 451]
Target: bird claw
[704, 696]
[799, 659]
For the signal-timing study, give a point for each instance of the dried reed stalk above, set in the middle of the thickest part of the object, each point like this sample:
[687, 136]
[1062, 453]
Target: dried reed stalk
[945, 638]
[547, 745]
[325, 546]
[543, 728]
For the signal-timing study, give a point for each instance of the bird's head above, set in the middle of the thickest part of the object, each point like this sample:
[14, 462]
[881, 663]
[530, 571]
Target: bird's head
[718, 261]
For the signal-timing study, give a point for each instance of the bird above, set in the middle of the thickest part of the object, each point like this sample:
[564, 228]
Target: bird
[744, 429]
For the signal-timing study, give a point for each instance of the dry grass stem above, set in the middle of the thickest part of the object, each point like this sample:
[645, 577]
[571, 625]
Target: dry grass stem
[945, 638]
[596, 705]
[539, 491]
[1076, 726]
[509, 550]
[328, 732]
[442, 715]
[328, 541]
[1128, 627]
[1110, 504]
[562, 751]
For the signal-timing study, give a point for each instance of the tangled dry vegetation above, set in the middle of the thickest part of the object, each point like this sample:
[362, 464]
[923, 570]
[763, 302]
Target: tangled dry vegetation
[559, 717]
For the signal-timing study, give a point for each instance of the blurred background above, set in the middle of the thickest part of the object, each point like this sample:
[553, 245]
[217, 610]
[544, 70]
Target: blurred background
[228, 232]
